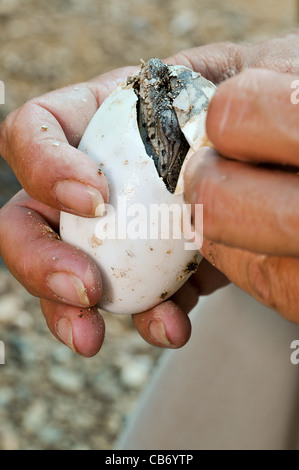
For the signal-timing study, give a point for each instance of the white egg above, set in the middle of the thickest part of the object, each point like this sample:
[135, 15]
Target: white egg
[138, 243]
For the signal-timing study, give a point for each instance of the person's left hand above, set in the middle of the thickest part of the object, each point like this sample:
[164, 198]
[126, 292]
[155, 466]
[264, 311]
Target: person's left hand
[39, 141]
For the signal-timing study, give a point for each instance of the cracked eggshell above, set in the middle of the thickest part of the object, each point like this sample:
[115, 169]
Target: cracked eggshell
[137, 273]
[191, 109]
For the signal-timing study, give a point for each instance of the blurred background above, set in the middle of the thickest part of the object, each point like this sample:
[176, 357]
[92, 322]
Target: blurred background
[49, 397]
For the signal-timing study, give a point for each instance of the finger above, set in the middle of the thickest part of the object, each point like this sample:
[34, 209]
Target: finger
[39, 140]
[279, 53]
[272, 280]
[204, 281]
[41, 262]
[252, 117]
[165, 325]
[244, 206]
[81, 329]
[216, 62]
[220, 61]
[47, 166]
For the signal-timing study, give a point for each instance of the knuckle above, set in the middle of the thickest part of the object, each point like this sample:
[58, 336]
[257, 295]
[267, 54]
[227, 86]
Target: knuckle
[5, 132]
[271, 281]
[231, 62]
[9, 132]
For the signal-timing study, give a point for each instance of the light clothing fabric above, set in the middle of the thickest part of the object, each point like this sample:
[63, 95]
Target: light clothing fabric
[233, 386]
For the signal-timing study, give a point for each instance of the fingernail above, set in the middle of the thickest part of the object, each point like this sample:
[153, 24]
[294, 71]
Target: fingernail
[100, 210]
[157, 331]
[65, 332]
[79, 197]
[195, 170]
[68, 287]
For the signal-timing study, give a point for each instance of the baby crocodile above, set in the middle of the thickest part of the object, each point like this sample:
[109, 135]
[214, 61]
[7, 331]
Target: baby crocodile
[158, 124]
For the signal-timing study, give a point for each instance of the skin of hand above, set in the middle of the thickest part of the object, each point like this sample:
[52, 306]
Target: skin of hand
[44, 131]
[250, 192]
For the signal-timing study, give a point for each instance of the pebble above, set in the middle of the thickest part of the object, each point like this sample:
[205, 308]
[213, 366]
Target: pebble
[183, 23]
[50, 435]
[61, 354]
[35, 416]
[9, 308]
[135, 372]
[66, 380]
[5, 396]
[8, 7]
[9, 439]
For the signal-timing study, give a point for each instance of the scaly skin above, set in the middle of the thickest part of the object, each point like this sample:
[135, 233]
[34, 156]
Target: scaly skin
[159, 128]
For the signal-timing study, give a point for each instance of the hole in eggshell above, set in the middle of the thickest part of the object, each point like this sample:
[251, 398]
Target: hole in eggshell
[158, 123]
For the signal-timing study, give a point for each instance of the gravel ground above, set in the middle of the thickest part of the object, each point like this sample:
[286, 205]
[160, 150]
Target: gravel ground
[49, 397]
[52, 399]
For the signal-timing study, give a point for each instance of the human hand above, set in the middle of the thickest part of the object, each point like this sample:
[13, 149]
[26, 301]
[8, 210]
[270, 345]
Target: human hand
[39, 141]
[251, 197]
[247, 208]
[29, 222]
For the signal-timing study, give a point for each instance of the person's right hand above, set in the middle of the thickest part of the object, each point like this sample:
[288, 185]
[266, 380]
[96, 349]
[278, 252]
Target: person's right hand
[250, 210]
[248, 184]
